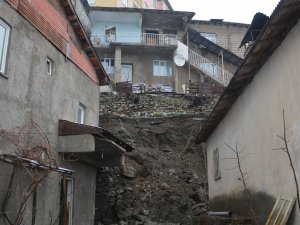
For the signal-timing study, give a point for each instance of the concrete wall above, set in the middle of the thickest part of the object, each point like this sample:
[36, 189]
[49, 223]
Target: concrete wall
[27, 91]
[228, 35]
[254, 122]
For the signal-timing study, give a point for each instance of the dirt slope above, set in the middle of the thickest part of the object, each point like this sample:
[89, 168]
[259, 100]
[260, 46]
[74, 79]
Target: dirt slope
[164, 179]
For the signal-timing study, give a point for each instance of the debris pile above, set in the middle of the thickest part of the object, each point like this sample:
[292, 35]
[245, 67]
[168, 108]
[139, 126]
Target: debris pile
[156, 105]
[163, 182]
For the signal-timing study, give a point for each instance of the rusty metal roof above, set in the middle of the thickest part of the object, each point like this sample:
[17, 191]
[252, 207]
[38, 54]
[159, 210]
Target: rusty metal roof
[198, 39]
[66, 128]
[282, 20]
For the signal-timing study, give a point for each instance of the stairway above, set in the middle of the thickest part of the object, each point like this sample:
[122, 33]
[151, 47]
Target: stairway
[212, 70]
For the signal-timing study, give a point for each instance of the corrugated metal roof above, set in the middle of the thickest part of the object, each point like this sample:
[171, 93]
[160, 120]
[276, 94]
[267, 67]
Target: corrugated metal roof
[282, 20]
[66, 128]
[198, 39]
[258, 22]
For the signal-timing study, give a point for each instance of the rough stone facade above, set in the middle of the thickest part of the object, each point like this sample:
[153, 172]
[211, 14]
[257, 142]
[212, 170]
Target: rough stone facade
[228, 35]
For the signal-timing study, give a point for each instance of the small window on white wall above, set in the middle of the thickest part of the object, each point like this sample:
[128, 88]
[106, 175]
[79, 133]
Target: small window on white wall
[4, 35]
[216, 165]
[81, 114]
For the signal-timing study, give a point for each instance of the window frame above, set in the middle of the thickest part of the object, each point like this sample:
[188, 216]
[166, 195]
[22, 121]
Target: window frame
[210, 36]
[67, 200]
[4, 54]
[162, 68]
[82, 109]
[216, 164]
[110, 66]
[154, 3]
[125, 3]
[49, 66]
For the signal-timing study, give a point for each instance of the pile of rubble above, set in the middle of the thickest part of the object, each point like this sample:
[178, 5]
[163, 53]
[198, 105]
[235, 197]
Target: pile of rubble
[163, 181]
[156, 105]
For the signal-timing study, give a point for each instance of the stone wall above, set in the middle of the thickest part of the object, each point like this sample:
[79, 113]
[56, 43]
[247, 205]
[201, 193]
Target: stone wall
[106, 196]
[156, 105]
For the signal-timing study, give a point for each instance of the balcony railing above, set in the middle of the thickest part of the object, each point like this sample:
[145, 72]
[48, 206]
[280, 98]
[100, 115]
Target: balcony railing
[135, 38]
[217, 73]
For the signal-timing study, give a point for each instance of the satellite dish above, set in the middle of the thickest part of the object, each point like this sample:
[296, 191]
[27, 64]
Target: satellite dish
[179, 60]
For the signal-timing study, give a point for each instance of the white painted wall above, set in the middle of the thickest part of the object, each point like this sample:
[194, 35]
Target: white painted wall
[254, 122]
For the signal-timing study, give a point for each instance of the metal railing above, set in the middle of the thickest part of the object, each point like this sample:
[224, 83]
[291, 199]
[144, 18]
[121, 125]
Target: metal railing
[214, 71]
[135, 38]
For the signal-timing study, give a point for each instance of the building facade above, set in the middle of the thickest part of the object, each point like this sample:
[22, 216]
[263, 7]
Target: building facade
[49, 88]
[249, 120]
[226, 34]
[140, 46]
[146, 4]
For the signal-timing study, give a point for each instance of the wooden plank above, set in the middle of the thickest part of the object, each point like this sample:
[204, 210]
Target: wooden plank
[281, 211]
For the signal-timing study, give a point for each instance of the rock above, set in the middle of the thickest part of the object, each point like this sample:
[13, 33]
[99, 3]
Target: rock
[145, 212]
[128, 172]
[150, 223]
[164, 186]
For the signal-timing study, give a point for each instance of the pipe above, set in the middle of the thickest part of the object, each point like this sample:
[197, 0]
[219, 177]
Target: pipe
[219, 213]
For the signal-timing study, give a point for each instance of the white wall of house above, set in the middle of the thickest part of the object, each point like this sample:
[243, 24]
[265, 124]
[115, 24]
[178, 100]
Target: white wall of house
[127, 31]
[254, 122]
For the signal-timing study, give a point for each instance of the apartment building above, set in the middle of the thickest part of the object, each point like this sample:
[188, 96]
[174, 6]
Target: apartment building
[146, 4]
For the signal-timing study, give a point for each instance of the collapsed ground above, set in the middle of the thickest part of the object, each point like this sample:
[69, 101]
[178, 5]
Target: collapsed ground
[164, 179]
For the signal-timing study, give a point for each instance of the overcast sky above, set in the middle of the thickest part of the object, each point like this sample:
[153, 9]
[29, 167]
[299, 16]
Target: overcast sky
[241, 11]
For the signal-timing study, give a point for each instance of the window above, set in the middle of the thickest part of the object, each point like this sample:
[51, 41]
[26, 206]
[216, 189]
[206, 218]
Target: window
[210, 36]
[108, 64]
[81, 114]
[66, 199]
[154, 4]
[4, 35]
[125, 2]
[49, 66]
[138, 4]
[162, 68]
[216, 164]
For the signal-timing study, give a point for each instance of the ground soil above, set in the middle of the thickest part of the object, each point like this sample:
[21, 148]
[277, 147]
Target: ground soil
[164, 180]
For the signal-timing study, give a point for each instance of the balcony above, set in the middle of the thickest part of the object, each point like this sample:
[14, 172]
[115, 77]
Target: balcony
[146, 39]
